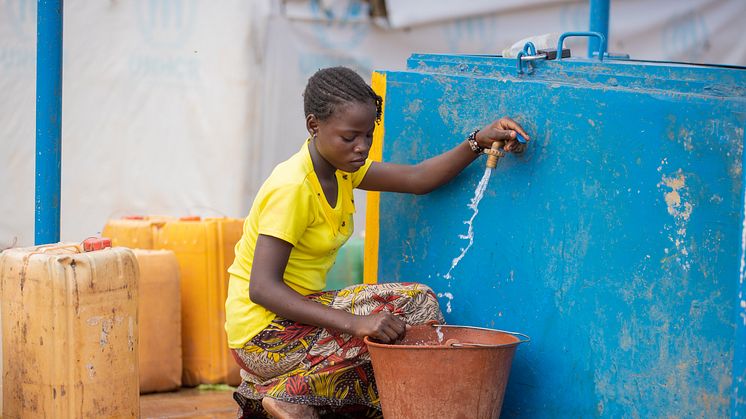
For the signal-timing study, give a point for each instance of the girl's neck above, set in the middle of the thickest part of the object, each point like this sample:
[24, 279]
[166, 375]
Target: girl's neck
[324, 170]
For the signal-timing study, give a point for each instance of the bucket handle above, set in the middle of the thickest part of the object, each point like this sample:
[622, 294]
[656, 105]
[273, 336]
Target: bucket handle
[522, 338]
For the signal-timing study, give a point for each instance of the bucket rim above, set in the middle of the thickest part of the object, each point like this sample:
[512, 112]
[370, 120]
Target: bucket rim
[520, 338]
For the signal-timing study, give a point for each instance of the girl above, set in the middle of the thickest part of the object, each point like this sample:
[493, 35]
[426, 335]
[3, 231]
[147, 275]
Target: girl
[302, 349]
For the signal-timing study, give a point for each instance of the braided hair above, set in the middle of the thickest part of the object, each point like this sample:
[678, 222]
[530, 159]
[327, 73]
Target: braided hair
[331, 87]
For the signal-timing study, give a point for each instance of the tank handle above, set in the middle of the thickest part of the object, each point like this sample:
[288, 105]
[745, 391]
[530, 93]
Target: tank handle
[599, 35]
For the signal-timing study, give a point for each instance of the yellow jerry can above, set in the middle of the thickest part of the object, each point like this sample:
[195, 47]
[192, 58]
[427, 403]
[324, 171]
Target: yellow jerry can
[159, 309]
[205, 250]
[135, 232]
[69, 327]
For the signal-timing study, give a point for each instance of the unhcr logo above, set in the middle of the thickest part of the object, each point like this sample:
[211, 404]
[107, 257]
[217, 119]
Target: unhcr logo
[166, 23]
[340, 26]
[166, 27]
[22, 16]
[18, 53]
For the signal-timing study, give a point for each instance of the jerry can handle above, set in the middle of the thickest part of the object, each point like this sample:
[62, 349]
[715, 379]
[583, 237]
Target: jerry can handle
[601, 42]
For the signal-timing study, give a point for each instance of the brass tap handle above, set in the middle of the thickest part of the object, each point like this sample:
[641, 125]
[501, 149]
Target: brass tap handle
[494, 153]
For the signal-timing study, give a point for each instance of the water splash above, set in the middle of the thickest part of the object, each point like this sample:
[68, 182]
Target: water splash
[473, 205]
[449, 296]
[440, 334]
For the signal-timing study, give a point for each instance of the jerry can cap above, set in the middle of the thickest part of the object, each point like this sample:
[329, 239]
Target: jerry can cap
[94, 243]
[190, 218]
[133, 217]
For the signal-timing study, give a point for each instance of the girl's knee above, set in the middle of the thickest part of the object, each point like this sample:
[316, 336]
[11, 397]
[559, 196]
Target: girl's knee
[419, 288]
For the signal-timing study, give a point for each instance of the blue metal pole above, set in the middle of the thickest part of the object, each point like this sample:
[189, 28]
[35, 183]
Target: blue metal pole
[599, 23]
[48, 120]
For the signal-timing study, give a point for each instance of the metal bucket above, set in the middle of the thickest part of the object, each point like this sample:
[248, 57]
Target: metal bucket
[443, 371]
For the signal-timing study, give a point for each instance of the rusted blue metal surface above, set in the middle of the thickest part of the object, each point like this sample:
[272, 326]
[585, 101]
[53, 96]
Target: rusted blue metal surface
[615, 241]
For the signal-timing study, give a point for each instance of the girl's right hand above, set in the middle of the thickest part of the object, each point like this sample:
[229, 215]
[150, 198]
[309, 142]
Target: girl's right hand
[503, 129]
[384, 327]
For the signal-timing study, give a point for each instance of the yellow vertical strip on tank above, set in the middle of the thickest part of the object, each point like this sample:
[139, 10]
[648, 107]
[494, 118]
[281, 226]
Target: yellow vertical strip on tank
[370, 264]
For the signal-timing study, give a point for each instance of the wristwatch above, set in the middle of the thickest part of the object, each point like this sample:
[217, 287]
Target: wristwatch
[472, 139]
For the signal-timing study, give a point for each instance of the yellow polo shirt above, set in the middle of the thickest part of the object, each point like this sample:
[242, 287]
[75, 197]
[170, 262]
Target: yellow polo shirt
[291, 206]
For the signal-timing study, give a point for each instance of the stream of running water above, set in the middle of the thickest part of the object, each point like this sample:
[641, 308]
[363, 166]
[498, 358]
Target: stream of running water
[474, 206]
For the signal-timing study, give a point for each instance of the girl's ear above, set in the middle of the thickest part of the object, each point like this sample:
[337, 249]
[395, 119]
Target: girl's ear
[312, 124]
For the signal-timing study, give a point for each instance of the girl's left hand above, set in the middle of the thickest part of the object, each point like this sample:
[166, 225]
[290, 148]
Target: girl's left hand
[504, 129]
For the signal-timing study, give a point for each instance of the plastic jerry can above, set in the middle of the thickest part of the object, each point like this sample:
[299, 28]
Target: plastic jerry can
[348, 267]
[135, 231]
[69, 326]
[159, 309]
[205, 250]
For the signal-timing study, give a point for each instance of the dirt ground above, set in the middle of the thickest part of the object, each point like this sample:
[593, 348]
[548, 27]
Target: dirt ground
[189, 403]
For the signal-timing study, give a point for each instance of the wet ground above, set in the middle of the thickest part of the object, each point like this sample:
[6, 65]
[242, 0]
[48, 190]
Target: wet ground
[189, 403]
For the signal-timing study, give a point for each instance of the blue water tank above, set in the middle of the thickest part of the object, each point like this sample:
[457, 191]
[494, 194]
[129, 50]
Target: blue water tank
[615, 241]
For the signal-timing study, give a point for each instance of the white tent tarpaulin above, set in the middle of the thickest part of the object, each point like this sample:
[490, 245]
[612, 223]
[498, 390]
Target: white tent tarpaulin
[180, 107]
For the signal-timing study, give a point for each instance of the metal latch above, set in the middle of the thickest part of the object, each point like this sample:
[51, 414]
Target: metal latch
[529, 54]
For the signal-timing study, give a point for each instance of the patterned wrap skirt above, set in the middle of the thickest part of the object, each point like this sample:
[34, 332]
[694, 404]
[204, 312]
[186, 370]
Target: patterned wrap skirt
[309, 365]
